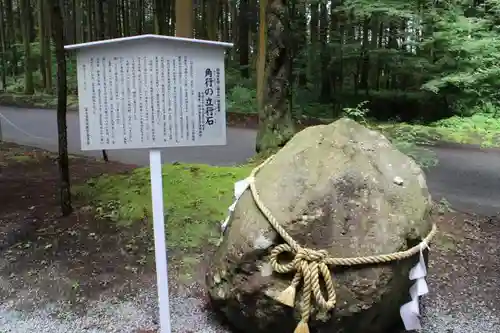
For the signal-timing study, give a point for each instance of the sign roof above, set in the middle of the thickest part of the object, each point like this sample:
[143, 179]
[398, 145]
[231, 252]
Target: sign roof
[146, 37]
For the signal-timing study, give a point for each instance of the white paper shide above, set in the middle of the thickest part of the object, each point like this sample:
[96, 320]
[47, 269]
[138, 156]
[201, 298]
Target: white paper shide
[239, 188]
[410, 312]
[151, 94]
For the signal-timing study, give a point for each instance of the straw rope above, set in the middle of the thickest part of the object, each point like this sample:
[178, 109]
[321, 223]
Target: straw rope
[310, 265]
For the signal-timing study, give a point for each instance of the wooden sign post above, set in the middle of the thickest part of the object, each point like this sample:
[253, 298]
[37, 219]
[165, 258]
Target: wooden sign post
[152, 92]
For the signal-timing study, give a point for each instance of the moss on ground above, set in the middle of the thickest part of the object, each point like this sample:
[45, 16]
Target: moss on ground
[196, 199]
[478, 129]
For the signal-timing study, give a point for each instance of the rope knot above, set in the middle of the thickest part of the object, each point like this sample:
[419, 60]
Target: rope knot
[311, 255]
[310, 266]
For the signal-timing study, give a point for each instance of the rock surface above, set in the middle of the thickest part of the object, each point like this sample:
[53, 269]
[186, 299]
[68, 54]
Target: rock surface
[366, 198]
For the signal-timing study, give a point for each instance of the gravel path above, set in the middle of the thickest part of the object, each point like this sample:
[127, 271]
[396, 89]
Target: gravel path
[464, 277]
[113, 315]
[463, 281]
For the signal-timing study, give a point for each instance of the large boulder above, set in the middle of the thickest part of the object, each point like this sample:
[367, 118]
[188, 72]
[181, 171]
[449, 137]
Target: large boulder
[342, 188]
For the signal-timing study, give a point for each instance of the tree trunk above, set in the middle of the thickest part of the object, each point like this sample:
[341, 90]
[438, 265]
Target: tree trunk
[314, 23]
[90, 20]
[243, 40]
[110, 21]
[79, 31]
[10, 33]
[139, 17]
[171, 29]
[300, 20]
[47, 51]
[159, 17]
[24, 8]
[119, 18]
[225, 22]
[233, 30]
[73, 26]
[184, 18]
[126, 20]
[58, 37]
[199, 20]
[4, 48]
[365, 57]
[276, 127]
[212, 18]
[42, 39]
[261, 60]
[325, 54]
[99, 11]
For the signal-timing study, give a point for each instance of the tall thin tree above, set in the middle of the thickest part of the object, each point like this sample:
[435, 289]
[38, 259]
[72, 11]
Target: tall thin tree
[25, 15]
[4, 47]
[58, 37]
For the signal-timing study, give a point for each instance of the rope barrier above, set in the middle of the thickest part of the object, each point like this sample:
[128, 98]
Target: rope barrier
[8, 121]
[309, 265]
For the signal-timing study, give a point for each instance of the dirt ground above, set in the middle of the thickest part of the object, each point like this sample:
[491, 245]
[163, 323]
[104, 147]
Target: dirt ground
[70, 259]
[77, 258]
[34, 237]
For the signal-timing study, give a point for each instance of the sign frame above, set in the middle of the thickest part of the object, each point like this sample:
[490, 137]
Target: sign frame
[173, 86]
[155, 163]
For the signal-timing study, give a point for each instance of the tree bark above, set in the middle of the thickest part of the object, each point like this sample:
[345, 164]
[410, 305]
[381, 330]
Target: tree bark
[58, 37]
[47, 50]
[42, 40]
[212, 13]
[243, 40]
[276, 126]
[184, 18]
[10, 33]
[324, 53]
[261, 60]
[24, 9]
[4, 49]
[99, 11]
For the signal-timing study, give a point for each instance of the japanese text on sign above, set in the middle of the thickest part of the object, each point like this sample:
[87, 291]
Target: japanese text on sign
[149, 100]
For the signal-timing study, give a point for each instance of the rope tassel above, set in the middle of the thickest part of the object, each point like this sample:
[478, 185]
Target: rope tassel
[302, 327]
[287, 296]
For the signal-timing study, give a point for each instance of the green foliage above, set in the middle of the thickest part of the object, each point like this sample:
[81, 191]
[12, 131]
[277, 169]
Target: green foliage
[411, 140]
[450, 67]
[357, 113]
[196, 198]
[481, 128]
[467, 53]
[241, 99]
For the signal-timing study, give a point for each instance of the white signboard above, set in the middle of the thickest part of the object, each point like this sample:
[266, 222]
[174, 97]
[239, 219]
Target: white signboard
[151, 92]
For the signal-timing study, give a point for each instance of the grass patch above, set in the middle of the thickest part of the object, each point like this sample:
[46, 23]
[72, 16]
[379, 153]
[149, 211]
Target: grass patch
[19, 155]
[21, 158]
[196, 198]
[479, 129]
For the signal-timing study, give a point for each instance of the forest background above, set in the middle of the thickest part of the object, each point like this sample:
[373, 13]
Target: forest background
[420, 70]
